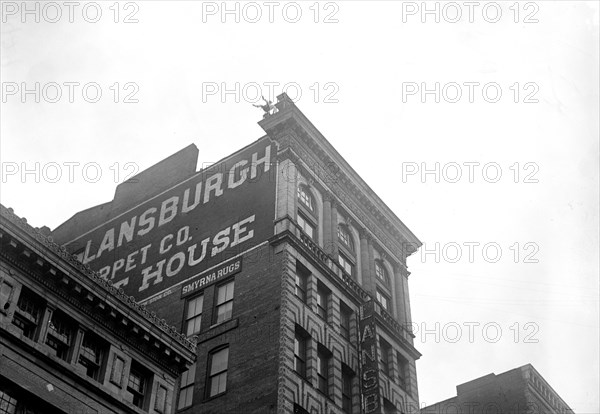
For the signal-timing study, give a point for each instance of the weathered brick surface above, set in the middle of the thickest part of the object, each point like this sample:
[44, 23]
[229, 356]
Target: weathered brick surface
[252, 336]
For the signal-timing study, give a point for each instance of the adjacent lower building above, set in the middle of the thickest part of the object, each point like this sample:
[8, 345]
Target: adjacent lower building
[279, 261]
[518, 391]
[70, 343]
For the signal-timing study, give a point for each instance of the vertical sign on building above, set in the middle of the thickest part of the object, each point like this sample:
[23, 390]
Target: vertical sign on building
[369, 362]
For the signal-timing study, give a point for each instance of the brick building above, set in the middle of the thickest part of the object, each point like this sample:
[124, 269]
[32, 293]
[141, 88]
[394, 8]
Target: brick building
[70, 342]
[289, 271]
[518, 391]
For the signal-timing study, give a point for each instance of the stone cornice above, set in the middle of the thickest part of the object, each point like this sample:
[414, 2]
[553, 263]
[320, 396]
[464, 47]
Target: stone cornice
[348, 182]
[288, 149]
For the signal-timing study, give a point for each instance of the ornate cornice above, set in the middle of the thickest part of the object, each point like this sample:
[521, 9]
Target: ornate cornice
[290, 118]
[341, 188]
[106, 286]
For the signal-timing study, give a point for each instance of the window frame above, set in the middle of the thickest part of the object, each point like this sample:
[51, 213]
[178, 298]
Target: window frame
[323, 370]
[348, 240]
[342, 257]
[10, 402]
[226, 302]
[301, 338]
[403, 374]
[93, 367]
[186, 389]
[345, 310]
[140, 396]
[303, 221]
[383, 275]
[323, 295]
[347, 390]
[23, 319]
[311, 205]
[302, 275]
[385, 356]
[378, 295]
[60, 334]
[211, 376]
[187, 318]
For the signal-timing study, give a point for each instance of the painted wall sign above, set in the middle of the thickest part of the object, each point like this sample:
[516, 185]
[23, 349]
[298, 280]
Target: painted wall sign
[210, 277]
[213, 216]
[369, 381]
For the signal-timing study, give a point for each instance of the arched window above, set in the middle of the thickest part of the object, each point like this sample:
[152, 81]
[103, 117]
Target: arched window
[306, 198]
[345, 237]
[381, 272]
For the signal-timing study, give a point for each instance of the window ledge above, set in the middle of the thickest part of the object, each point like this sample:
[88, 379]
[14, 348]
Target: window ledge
[214, 397]
[218, 329]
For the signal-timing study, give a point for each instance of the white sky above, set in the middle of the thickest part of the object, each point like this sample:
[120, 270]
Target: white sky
[171, 54]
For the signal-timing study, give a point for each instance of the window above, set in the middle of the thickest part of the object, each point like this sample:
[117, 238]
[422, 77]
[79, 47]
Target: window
[346, 264]
[60, 335]
[402, 371]
[27, 314]
[306, 198]
[8, 404]
[306, 226]
[302, 275]
[193, 316]
[300, 343]
[389, 407]
[344, 236]
[347, 376]
[137, 384]
[383, 300]
[186, 387]
[323, 358]
[217, 375]
[345, 317]
[382, 273]
[91, 355]
[299, 409]
[323, 295]
[224, 307]
[384, 350]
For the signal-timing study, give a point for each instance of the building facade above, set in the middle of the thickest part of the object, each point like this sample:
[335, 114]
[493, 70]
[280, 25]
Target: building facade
[518, 391]
[70, 342]
[279, 260]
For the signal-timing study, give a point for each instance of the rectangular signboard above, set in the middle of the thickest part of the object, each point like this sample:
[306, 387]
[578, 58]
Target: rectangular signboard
[211, 217]
[369, 361]
[200, 282]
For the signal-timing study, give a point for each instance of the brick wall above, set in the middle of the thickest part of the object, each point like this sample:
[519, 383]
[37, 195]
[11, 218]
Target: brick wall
[252, 336]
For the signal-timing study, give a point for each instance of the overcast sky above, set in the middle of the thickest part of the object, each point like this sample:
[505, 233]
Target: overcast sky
[526, 280]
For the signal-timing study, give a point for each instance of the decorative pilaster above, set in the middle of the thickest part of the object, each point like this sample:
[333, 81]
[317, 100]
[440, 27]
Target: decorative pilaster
[77, 344]
[334, 219]
[401, 296]
[371, 263]
[366, 275]
[45, 321]
[328, 233]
